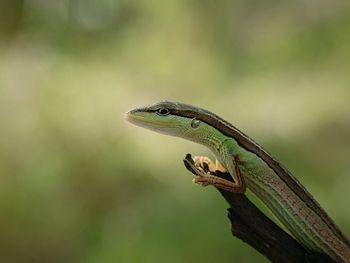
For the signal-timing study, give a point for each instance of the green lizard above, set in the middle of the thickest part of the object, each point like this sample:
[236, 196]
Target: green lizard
[250, 166]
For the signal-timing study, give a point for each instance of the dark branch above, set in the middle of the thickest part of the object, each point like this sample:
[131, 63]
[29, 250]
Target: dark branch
[253, 227]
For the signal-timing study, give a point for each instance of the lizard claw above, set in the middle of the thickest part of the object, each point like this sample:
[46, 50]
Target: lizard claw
[204, 164]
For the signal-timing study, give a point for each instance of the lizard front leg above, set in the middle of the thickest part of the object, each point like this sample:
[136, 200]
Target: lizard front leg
[207, 177]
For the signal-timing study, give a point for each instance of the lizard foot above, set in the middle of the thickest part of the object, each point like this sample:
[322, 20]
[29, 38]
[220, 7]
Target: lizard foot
[205, 169]
[208, 179]
[206, 165]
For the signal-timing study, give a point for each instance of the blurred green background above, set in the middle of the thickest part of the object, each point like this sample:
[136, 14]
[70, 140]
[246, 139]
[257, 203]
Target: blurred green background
[80, 184]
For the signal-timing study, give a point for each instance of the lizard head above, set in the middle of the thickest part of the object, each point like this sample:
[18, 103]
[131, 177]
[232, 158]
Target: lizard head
[180, 120]
[163, 117]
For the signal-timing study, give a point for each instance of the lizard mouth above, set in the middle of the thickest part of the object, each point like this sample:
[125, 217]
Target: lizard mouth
[128, 116]
[139, 118]
[135, 117]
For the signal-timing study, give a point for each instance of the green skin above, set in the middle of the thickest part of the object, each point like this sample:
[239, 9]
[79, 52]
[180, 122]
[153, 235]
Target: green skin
[302, 222]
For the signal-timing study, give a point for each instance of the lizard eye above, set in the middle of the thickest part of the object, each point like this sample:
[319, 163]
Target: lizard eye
[163, 111]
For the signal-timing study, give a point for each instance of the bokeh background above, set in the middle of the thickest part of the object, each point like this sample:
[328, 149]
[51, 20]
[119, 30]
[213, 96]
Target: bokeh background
[80, 184]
